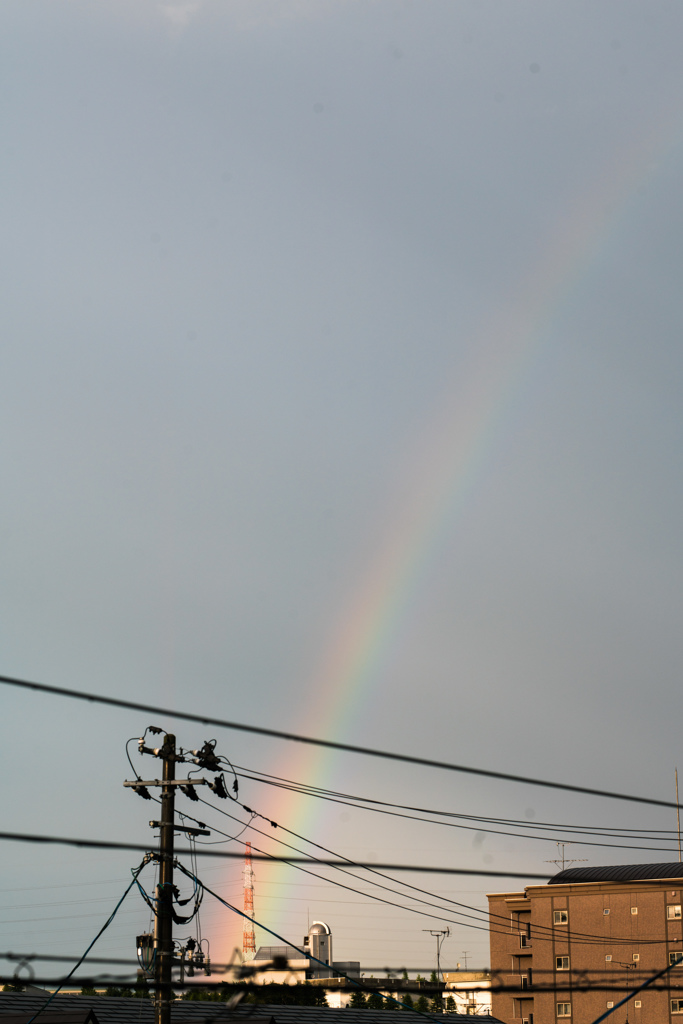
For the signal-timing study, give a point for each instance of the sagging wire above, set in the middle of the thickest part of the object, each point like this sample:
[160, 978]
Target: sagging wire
[216, 842]
[235, 783]
[198, 921]
[135, 872]
[483, 915]
[541, 933]
[305, 955]
[389, 755]
[381, 807]
[133, 739]
[308, 789]
[207, 758]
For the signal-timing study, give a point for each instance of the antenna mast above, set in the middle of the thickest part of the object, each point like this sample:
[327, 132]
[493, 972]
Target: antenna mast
[563, 863]
[678, 819]
[248, 938]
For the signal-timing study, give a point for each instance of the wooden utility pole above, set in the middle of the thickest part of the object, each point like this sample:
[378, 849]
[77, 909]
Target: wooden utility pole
[165, 957]
[163, 920]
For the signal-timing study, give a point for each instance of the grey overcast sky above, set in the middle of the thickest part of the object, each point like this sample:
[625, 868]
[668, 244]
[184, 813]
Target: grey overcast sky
[340, 392]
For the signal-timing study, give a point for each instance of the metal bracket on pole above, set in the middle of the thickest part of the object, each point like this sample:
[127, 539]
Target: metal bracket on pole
[181, 828]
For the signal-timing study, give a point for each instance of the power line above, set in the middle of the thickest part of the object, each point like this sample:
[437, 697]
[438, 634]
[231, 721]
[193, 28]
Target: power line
[362, 803]
[309, 956]
[106, 924]
[542, 933]
[587, 938]
[634, 992]
[329, 744]
[382, 985]
[349, 888]
[592, 974]
[308, 789]
[103, 844]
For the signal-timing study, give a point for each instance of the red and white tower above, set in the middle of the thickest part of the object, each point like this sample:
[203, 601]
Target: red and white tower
[248, 938]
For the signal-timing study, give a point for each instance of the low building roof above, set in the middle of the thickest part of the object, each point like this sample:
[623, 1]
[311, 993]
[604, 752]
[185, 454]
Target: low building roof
[271, 952]
[117, 1010]
[85, 1016]
[618, 873]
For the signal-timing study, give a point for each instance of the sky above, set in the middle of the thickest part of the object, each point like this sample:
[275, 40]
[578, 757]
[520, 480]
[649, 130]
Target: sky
[339, 393]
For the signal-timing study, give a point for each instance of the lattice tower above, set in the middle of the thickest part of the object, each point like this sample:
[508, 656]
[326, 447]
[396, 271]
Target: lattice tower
[248, 938]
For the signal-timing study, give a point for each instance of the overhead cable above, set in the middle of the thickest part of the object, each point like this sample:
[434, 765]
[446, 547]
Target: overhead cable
[106, 924]
[330, 744]
[370, 805]
[542, 933]
[103, 844]
[634, 991]
[127, 982]
[605, 832]
[305, 955]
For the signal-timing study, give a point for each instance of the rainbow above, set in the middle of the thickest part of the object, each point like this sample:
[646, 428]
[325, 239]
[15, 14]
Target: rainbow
[446, 463]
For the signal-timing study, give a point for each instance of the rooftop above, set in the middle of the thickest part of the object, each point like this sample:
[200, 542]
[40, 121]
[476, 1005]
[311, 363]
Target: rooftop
[270, 952]
[115, 1010]
[618, 873]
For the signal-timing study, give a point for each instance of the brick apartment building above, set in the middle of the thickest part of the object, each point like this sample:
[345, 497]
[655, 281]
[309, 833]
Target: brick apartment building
[589, 927]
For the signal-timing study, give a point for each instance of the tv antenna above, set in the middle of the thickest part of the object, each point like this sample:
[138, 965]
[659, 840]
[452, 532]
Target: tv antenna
[563, 862]
[440, 937]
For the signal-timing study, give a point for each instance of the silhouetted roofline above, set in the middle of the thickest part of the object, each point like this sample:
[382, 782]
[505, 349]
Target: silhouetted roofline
[618, 873]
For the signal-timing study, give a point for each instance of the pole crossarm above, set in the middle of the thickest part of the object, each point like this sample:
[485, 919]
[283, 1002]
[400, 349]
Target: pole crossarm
[170, 782]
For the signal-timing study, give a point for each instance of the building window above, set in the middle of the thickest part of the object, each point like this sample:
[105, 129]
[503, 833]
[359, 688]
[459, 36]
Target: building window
[524, 940]
[636, 956]
[565, 1009]
[677, 1005]
[634, 910]
[675, 959]
[610, 1004]
[606, 911]
[608, 957]
[637, 1003]
[673, 912]
[561, 963]
[560, 917]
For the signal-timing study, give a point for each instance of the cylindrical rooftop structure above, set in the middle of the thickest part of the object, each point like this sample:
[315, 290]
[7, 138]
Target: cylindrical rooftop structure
[320, 944]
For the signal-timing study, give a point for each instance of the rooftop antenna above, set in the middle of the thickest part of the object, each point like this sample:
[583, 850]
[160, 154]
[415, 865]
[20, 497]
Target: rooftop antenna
[563, 862]
[678, 819]
[248, 938]
[465, 954]
[440, 936]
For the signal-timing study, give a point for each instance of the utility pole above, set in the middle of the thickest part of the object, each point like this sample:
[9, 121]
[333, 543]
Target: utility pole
[164, 955]
[440, 937]
[163, 921]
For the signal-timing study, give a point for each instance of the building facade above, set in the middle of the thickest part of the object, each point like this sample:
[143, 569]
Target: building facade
[471, 991]
[567, 951]
[285, 964]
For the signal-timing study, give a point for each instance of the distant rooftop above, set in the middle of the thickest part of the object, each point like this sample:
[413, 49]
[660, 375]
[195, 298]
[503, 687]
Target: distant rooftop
[618, 873]
[270, 952]
[117, 1010]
